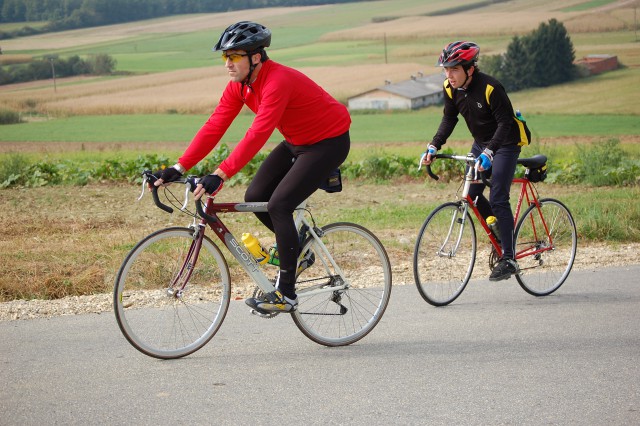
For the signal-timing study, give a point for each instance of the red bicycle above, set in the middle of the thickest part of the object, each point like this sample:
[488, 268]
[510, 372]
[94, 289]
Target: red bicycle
[545, 238]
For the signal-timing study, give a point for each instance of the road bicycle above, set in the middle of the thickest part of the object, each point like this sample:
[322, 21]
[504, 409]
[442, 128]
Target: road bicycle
[446, 248]
[173, 289]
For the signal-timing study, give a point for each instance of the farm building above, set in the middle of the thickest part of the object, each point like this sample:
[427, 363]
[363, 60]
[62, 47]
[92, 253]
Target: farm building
[417, 92]
[596, 64]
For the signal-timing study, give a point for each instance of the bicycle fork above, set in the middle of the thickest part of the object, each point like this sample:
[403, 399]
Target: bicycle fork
[458, 221]
[179, 282]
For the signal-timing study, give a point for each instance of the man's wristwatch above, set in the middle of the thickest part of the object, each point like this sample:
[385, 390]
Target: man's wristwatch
[179, 168]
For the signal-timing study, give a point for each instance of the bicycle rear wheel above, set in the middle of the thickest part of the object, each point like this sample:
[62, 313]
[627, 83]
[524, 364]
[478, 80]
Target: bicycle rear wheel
[340, 307]
[167, 302]
[545, 259]
[444, 254]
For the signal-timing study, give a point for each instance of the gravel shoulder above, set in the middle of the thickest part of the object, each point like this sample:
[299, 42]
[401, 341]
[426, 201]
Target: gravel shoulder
[590, 257]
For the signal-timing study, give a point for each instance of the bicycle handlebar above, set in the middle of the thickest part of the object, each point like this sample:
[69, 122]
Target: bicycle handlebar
[470, 159]
[190, 182]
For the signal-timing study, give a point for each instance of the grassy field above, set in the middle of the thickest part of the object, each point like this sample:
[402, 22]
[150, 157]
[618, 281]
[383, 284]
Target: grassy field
[338, 45]
[397, 127]
[70, 241]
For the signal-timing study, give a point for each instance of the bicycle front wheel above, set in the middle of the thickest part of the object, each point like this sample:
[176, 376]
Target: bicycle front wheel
[169, 297]
[343, 294]
[444, 254]
[546, 243]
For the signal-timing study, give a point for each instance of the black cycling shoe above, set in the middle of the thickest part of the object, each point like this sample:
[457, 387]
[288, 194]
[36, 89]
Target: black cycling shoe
[504, 269]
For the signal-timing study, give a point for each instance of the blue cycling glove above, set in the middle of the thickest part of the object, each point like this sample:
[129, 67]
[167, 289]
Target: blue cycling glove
[486, 158]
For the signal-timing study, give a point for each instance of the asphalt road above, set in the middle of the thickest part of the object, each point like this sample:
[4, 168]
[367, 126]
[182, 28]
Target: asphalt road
[495, 356]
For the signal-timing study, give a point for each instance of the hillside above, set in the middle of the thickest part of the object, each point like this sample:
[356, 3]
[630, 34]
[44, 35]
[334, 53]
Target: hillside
[173, 69]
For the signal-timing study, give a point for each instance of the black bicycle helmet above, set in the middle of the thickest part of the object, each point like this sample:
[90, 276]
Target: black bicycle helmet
[463, 53]
[244, 35]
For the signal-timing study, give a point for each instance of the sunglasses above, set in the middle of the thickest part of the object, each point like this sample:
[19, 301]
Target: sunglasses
[235, 57]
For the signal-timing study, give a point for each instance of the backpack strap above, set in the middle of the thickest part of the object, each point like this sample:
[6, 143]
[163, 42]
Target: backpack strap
[487, 93]
[447, 88]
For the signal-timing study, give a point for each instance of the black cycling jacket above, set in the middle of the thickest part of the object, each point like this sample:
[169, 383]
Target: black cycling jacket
[486, 109]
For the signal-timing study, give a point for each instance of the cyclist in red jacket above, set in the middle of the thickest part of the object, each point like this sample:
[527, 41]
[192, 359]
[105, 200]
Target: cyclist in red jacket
[489, 115]
[315, 128]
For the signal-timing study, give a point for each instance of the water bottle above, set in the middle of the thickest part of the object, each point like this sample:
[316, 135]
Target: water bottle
[519, 116]
[492, 223]
[253, 245]
[274, 257]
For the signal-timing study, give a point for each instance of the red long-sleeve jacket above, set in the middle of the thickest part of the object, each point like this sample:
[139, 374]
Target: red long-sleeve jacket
[282, 98]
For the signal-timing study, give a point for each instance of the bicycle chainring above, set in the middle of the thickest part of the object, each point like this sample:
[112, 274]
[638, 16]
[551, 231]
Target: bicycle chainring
[493, 258]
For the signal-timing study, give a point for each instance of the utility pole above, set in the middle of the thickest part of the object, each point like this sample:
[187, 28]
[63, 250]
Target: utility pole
[51, 59]
[53, 74]
[635, 20]
[385, 48]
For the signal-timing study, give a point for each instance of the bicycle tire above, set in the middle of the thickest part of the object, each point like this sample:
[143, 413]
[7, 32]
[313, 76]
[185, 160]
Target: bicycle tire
[161, 322]
[542, 273]
[440, 270]
[343, 316]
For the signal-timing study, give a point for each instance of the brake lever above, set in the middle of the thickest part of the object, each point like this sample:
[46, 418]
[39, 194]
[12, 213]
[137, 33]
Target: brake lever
[144, 183]
[190, 185]
[187, 188]
[424, 154]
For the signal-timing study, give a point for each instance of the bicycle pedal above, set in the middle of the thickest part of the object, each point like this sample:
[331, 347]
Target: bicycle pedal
[262, 314]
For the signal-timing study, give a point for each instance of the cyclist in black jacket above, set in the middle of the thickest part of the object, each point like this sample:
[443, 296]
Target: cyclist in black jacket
[487, 110]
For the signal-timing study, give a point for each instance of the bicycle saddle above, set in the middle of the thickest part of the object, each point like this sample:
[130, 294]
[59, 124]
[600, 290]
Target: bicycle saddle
[536, 161]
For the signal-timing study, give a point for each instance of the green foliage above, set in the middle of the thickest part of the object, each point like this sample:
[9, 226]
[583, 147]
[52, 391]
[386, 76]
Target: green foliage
[381, 168]
[541, 59]
[8, 116]
[600, 164]
[44, 69]
[16, 170]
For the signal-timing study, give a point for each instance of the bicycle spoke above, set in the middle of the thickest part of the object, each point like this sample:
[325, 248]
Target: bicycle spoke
[171, 320]
[545, 258]
[345, 308]
[444, 254]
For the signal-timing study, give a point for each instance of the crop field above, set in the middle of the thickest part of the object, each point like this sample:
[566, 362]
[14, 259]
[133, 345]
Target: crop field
[344, 47]
[68, 241]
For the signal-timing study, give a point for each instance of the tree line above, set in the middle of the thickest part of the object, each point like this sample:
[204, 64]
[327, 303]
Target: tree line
[54, 66]
[70, 14]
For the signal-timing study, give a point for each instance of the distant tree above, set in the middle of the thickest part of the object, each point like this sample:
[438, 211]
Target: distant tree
[517, 64]
[102, 64]
[41, 69]
[553, 63]
[543, 58]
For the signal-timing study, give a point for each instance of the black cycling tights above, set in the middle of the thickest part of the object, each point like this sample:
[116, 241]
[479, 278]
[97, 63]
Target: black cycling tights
[288, 176]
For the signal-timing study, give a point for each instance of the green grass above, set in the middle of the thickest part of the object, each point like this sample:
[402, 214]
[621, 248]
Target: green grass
[391, 127]
[587, 5]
